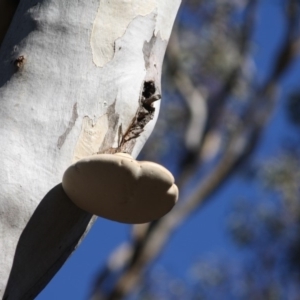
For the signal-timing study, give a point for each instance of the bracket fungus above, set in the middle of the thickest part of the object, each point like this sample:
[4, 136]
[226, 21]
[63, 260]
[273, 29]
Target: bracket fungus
[120, 188]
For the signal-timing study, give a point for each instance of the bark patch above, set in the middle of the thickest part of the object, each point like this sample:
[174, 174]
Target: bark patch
[112, 19]
[147, 50]
[91, 137]
[113, 120]
[62, 138]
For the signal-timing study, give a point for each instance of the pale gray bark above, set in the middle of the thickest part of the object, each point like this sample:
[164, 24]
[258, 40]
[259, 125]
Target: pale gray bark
[72, 75]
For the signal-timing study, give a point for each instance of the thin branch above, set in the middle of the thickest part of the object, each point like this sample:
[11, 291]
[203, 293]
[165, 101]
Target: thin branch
[217, 104]
[194, 98]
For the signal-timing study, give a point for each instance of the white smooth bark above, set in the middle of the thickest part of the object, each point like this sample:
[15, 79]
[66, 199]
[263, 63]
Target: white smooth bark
[72, 78]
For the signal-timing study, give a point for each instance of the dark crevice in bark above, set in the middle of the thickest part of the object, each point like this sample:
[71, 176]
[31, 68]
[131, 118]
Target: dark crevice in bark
[144, 115]
[62, 138]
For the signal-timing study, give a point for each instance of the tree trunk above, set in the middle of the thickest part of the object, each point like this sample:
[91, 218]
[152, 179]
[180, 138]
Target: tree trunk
[72, 77]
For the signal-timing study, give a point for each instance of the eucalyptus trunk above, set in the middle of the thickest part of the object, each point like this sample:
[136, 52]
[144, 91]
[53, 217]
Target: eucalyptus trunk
[73, 75]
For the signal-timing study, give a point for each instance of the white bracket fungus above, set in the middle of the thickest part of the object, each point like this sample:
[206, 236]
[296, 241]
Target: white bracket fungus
[119, 188]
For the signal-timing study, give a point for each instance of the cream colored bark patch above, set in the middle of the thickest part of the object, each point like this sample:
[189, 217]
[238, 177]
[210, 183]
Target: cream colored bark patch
[112, 19]
[91, 137]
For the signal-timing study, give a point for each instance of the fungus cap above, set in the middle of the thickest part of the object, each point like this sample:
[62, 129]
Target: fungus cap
[119, 188]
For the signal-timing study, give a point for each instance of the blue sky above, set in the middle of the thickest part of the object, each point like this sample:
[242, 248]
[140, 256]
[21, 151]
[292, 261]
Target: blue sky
[204, 233]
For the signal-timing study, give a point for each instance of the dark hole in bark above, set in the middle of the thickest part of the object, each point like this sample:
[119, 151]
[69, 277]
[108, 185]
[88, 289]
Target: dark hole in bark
[149, 89]
[141, 116]
[19, 62]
